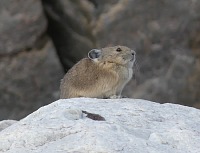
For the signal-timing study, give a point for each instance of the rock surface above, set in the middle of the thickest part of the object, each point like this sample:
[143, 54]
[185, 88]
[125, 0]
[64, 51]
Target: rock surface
[30, 69]
[29, 80]
[6, 123]
[131, 125]
[21, 23]
[70, 29]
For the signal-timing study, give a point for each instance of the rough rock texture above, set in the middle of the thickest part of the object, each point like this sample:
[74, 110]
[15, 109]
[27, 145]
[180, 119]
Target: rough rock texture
[6, 123]
[165, 34]
[131, 126]
[21, 23]
[28, 81]
[30, 70]
[70, 29]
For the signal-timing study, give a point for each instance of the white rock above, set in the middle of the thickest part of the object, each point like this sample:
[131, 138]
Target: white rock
[131, 126]
[6, 123]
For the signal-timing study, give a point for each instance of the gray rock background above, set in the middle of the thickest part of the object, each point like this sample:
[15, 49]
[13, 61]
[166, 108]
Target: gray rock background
[29, 67]
[164, 33]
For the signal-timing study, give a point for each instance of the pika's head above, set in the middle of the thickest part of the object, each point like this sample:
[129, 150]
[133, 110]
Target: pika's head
[118, 54]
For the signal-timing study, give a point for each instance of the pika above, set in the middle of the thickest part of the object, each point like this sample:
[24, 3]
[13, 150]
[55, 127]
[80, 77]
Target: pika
[102, 75]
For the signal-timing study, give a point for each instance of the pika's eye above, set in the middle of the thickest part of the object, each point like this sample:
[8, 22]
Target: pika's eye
[118, 49]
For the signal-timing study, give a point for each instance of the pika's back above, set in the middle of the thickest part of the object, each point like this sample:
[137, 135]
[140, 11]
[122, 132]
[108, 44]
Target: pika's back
[102, 75]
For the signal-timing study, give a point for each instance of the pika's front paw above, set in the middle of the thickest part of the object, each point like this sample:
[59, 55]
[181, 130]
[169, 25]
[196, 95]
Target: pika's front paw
[124, 97]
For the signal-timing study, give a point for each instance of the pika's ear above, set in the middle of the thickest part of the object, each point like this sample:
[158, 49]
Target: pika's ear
[94, 54]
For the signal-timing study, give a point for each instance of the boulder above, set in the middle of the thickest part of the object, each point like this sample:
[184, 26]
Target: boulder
[6, 123]
[21, 24]
[70, 29]
[30, 69]
[29, 80]
[128, 125]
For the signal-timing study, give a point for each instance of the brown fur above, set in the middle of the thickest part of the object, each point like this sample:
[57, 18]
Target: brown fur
[104, 77]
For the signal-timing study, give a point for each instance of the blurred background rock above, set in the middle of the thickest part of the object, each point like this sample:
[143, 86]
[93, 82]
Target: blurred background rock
[40, 39]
